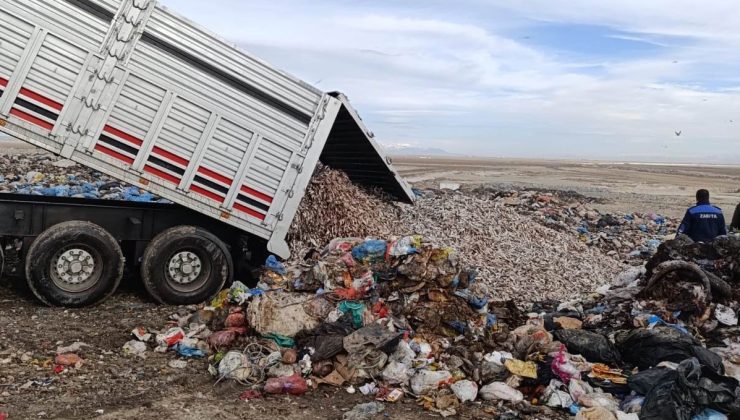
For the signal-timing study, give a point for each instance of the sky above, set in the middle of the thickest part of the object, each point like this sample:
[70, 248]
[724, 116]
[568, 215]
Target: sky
[586, 79]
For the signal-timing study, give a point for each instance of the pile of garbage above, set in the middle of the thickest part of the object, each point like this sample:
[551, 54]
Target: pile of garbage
[633, 237]
[43, 175]
[399, 319]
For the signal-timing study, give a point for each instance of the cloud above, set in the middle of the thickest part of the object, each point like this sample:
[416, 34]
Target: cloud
[468, 75]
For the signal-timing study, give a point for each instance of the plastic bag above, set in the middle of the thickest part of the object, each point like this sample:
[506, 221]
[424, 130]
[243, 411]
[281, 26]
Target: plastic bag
[500, 391]
[273, 264]
[643, 382]
[292, 385]
[679, 396]
[370, 251]
[356, 309]
[235, 365]
[327, 339]
[465, 390]
[709, 414]
[594, 347]
[221, 339]
[646, 348]
[563, 368]
[405, 246]
[397, 373]
[428, 381]
[555, 397]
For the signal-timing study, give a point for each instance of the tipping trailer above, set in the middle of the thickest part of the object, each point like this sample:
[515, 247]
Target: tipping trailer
[130, 89]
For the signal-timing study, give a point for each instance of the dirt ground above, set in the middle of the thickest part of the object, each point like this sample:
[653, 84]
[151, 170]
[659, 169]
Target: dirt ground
[626, 188]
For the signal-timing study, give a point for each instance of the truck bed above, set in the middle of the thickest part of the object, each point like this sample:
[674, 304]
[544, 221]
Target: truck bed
[130, 89]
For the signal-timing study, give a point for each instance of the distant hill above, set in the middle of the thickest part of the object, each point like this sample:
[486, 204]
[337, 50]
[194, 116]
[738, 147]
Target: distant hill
[411, 150]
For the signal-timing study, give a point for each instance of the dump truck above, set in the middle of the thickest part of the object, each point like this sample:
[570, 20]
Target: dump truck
[132, 90]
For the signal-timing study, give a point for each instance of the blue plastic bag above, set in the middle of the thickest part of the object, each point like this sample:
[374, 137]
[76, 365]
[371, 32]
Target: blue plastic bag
[273, 264]
[709, 414]
[185, 351]
[372, 250]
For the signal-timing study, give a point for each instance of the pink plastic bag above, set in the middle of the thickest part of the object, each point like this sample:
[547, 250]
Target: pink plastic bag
[563, 368]
[292, 385]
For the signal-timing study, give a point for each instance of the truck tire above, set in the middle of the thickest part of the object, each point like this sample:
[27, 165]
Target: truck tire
[186, 265]
[74, 264]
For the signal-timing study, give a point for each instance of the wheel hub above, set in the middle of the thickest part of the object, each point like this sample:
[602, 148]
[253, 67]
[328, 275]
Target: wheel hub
[75, 267]
[184, 267]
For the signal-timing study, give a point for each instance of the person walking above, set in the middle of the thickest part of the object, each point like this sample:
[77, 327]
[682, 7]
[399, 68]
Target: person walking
[703, 222]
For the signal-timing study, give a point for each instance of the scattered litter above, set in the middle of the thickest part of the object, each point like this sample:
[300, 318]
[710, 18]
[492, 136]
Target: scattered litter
[72, 348]
[178, 364]
[364, 411]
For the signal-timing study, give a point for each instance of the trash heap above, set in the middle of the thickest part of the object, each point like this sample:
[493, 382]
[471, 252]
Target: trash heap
[627, 237]
[43, 175]
[398, 320]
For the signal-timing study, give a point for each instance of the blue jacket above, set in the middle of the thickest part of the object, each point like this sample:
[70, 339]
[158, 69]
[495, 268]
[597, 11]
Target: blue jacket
[703, 223]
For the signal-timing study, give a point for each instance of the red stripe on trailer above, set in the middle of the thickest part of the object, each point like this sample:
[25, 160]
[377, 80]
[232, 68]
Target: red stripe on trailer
[3, 82]
[218, 177]
[162, 174]
[113, 153]
[171, 156]
[30, 118]
[38, 98]
[123, 136]
[247, 210]
[206, 193]
[255, 193]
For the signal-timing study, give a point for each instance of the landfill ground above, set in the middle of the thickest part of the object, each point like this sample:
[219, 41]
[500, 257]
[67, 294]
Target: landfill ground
[112, 385]
[665, 189]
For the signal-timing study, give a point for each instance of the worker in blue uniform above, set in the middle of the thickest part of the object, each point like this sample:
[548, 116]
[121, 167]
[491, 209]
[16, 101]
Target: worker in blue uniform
[703, 222]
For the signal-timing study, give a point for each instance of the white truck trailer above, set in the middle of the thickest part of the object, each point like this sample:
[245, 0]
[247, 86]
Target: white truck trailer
[130, 89]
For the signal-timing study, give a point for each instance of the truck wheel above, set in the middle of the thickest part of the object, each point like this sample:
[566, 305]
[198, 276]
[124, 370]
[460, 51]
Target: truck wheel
[186, 265]
[74, 264]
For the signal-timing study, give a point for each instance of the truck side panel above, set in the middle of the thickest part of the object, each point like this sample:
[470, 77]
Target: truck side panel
[136, 92]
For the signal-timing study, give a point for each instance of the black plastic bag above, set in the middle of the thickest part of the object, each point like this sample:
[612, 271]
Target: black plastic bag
[669, 400]
[644, 382]
[327, 339]
[709, 359]
[692, 388]
[646, 348]
[594, 347]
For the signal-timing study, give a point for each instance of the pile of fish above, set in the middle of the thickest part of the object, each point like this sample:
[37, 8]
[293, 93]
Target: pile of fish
[516, 257]
[632, 237]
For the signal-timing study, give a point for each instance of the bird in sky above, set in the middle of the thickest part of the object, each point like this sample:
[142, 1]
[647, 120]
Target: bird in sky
[678, 133]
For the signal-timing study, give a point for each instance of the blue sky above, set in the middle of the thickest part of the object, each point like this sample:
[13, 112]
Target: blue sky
[525, 78]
